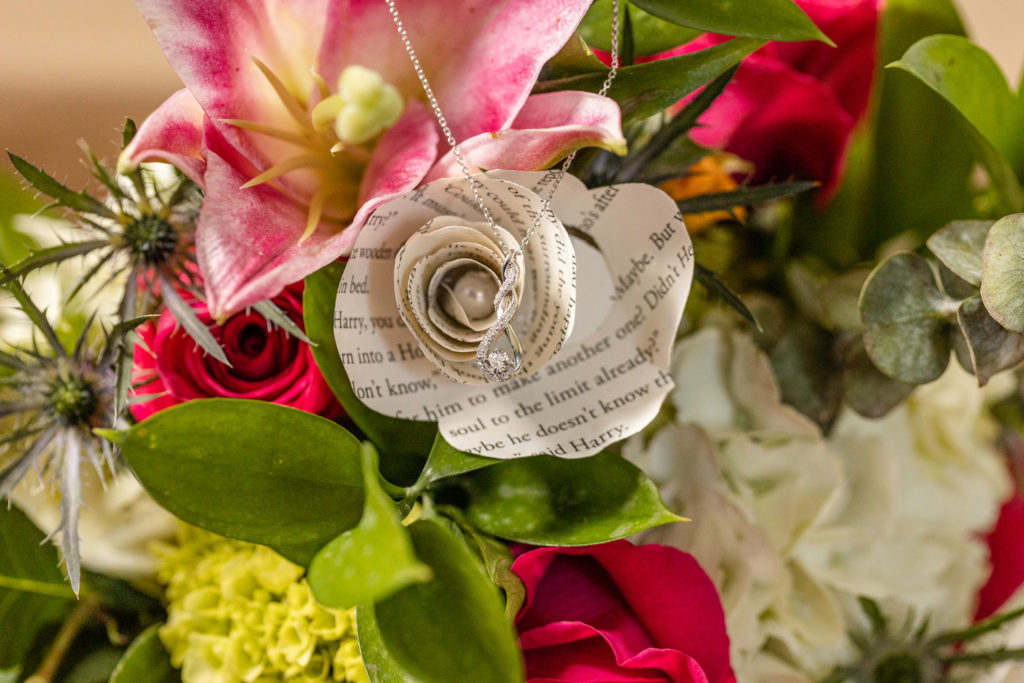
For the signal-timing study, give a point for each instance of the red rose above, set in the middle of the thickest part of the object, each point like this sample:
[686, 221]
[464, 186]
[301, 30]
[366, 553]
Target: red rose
[619, 613]
[792, 107]
[266, 363]
[1006, 555]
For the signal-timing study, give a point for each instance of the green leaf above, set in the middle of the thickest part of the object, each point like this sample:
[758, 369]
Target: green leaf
[497, 561]
[768, 19]
[33, 591]
[969, 80]
[29, 308]
[807, 373]
[646, 89]
[372, 561]
[51, 255]
[447, 461]
[380, 665]
[250, 470]
[186, 315]
[573, 59]
[744, 196]
[651, 34]
[866, 389]
[452, 628]
[959, 246]
[906, 320]
[546, 500]
[990, 347]
[145, 660]
[1002, 272]
[403, 444]
[716, 287]
[45, 183]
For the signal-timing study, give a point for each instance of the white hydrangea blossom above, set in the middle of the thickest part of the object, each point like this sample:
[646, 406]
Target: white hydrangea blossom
[793, 526]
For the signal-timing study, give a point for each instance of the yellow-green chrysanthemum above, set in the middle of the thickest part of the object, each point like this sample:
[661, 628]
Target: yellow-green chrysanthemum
[242, 613]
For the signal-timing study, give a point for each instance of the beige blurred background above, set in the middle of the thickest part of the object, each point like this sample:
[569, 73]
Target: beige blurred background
[72, 69]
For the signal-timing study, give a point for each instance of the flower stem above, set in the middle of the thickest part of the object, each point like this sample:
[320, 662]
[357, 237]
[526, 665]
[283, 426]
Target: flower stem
[69, 630]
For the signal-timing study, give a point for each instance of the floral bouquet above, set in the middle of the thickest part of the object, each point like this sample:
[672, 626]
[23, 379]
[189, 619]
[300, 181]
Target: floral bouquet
[374, 355]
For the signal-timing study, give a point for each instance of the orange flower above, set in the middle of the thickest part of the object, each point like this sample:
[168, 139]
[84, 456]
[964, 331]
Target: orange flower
[707, 176]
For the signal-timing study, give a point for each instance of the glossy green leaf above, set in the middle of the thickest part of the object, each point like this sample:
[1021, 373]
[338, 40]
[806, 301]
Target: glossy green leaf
[651, 34]
[768, 19]
[906, 320]
[497, 559]
[959, 246]
[1002, 272]
[372, 561]
[33, 591]
[403, 444]
[447, 461]
[452, 628]
[381, 667]
[646, 89]
[250, 470]
[146, 659]
[969, 80]
[546, 500]
[575, 58]
[991, 348]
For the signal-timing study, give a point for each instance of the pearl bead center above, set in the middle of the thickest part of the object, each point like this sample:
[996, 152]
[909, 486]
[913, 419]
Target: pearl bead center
[474, 291]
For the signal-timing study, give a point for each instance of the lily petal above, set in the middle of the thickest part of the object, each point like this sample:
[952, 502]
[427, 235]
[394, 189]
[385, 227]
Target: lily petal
[210, 45]
[548, 127]
[173, 133]
[482, 73]
[250, 242]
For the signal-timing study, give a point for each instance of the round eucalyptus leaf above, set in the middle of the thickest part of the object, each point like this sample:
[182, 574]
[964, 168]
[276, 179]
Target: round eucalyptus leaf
[991, 348]
[959, 245]
[906, 320]
[1002, 272]
[869, 392]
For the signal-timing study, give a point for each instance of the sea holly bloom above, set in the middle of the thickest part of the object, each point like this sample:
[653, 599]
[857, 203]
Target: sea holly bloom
[300, 118]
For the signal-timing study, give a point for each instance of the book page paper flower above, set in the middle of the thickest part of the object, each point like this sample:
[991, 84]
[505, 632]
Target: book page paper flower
[609, 377]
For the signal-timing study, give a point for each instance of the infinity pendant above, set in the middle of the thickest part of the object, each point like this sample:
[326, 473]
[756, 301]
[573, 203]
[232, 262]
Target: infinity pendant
[497, 364]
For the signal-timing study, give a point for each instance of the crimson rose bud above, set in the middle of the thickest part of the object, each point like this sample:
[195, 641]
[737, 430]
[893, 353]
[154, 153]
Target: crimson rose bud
[619, 613]
[267, 363]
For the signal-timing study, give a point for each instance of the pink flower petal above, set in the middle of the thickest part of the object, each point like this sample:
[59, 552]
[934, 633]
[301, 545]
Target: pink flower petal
[480, 56]
[174, 134]
[248, 240]
[547, 128]
[210, 43]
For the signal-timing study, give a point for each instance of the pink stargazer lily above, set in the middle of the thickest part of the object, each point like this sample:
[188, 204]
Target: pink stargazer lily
[258, 125]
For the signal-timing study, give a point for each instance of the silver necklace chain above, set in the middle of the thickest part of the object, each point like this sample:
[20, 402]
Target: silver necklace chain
[496, 365]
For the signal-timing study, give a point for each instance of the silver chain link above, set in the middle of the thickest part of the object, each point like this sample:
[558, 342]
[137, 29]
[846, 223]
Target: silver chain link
[457, 151]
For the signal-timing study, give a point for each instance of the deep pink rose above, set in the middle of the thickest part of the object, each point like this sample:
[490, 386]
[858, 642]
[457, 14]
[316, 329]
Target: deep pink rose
[266, 363]
[619, 613]
[1006, 555]
[792, 107]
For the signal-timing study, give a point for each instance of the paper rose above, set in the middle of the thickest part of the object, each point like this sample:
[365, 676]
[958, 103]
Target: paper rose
[610, 376]
[300, 118]
[620, 612]
[793, 527]
[267, 363]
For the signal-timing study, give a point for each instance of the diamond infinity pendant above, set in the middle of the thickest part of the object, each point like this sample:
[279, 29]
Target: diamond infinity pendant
[496, 364]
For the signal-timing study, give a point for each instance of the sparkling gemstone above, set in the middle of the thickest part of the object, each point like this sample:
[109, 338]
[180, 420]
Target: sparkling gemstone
[499, 360]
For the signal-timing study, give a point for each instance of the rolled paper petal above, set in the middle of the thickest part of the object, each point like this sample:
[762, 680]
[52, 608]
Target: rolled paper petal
[547, 128]
[249, 241]
[174, 134]
[482, 75]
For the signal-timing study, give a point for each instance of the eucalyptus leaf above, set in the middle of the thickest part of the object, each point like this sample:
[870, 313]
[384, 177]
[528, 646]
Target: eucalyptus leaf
[547, 500]
[959, 246]
[33, 591]
[906, 320]
[251, 470]
[403, 444]
[866, 389]
[1002, 272]
[808, 376]
[146, 659]
[646, 89]
[991, 347]
[452, 628]
[840, 297]
[380, 665]
[968, 79]
[651, 34]
[955, 286]
[768, 19]
[370, 562]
